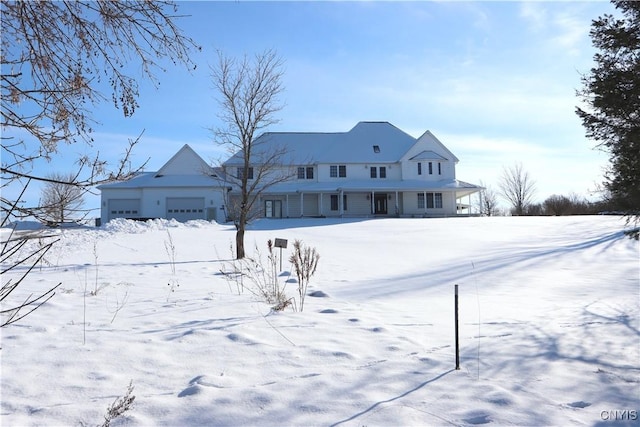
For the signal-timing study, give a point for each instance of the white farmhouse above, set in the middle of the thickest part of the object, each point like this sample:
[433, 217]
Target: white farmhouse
[375, 169]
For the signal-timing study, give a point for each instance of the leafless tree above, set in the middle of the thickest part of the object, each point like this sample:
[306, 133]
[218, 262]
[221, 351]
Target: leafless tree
[249, 90]
[59, 60]
[517, 187]
[557, 205]
[488, 200]
[61, 199]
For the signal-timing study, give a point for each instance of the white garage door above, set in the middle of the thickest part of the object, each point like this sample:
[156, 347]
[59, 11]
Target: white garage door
[124, 208]
[185, 208]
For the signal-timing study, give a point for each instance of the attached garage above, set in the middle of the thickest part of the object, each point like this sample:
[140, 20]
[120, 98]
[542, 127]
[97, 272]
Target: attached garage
[186, 188]
[185, 208]
[124, 208]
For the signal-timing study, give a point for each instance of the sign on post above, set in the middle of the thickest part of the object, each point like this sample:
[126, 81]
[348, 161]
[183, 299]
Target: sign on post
[280, 243]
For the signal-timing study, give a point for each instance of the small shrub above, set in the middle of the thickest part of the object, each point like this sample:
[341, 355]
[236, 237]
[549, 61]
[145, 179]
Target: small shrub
[119, 406]
[305, 262]
[259, 277]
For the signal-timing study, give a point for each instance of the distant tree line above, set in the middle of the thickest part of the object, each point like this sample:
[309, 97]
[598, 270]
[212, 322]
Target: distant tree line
[554, 205]
[572, 204]
[518, 188]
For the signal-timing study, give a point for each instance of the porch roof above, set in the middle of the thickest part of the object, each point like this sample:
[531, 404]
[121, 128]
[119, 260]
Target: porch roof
[461, 188]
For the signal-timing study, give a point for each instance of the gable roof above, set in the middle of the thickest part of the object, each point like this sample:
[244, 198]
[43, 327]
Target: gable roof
[354, 146]
[433, 139]
[185, 162]
[184, 169]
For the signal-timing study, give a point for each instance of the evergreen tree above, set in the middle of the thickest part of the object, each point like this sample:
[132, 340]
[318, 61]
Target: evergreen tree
[611, 93]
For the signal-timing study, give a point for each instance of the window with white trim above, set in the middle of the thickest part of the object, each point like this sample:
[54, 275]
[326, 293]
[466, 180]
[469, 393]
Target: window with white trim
[240, 173]
[434, 200]
[305, 172]
[378, 172]
[338, 171]
[420, 200]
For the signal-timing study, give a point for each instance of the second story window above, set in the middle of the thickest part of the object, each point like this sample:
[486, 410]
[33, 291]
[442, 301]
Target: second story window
[430, 168]
[419, 168]
[338, 171]
[240, 173]
[305, 172]
[380, 172]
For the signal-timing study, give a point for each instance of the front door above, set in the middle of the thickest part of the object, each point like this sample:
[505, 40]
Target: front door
[273, 208]
[380, 204]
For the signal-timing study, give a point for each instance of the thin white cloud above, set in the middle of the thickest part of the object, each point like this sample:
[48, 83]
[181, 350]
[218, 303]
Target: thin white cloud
[535, 14]
[560, 27]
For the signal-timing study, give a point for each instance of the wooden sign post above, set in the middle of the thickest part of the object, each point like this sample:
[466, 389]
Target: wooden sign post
[280, 243]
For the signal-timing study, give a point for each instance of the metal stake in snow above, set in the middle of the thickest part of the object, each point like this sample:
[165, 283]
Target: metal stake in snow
[456, 327]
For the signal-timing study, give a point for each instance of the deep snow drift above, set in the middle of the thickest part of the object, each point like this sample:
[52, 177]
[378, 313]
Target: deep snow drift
[549, 318]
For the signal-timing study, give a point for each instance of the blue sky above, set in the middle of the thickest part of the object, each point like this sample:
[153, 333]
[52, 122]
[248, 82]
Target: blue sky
[494, 81]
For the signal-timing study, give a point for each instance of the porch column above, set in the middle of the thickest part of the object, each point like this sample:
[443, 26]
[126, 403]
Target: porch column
[397, 208]
[455, 203]
[373, 195]
[321, 208]
[425, 202]
[341, 202]
[301, 204]
[286, 198]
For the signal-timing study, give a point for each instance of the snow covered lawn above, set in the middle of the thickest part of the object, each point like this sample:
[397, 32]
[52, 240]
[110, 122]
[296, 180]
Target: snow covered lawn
[549, 327]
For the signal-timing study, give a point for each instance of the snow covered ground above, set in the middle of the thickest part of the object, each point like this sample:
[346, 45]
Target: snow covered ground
[549, 327]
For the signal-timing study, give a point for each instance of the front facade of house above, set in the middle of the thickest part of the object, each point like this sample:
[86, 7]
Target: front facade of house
[375, 169]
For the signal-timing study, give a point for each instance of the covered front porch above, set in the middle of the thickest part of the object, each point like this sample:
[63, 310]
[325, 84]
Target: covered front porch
[355, 199]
